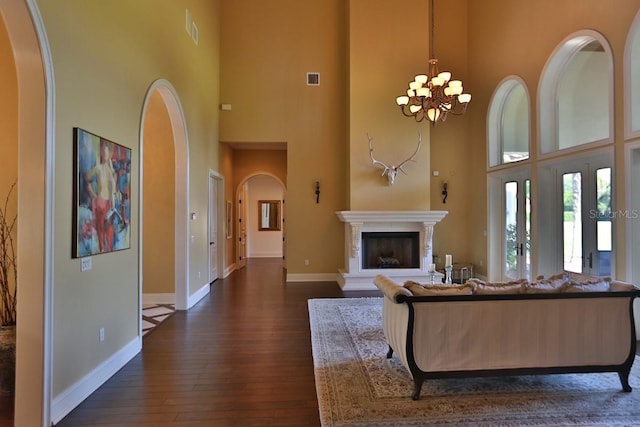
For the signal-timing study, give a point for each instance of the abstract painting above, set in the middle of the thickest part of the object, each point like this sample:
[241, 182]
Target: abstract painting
[102, 195]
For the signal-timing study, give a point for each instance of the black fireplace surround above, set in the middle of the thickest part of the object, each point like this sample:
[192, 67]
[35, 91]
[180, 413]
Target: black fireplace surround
[390, 249]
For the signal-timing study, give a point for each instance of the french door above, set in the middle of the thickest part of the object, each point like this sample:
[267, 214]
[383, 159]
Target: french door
[516, 239]
[587, 226]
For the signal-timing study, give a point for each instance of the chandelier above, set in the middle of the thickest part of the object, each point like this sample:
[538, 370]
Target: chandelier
[435, 95]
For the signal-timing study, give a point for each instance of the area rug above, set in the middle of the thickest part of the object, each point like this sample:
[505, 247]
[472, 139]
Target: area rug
[358, 386]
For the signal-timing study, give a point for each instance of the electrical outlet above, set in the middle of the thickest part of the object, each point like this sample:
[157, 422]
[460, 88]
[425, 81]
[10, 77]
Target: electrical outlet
[85, 263]
[306, 262]
[101, 334]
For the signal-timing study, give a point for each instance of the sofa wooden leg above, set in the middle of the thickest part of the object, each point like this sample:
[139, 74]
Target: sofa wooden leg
[624, 380]
[389, 353]
[417, 386]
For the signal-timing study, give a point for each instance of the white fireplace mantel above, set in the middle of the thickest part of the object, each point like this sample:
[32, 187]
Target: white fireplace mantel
[354, 276]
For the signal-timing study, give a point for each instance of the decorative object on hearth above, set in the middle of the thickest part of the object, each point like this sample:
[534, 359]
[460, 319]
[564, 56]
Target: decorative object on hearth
[435, 95]
[448, 268]
[387, 260]
[432, 273]
[392, 171]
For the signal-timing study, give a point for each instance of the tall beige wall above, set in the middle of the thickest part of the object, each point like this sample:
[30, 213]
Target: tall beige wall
[226, 169]
[105, 56]
[8, 135]
[451, 149]
[158, 256]
[388, 46]
[360, 50]
[8, 120]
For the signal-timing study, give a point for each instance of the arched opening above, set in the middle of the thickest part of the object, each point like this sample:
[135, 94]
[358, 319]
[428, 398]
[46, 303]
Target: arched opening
[34, 120]
[252, 241]
[158, 213]
[508, 123]
[575, 102]
[632, 81]
[162, 113]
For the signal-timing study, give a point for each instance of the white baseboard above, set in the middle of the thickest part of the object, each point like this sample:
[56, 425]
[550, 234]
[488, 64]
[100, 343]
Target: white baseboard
[66, 401]
[159, 298]
[227, 271]
[312, 277]
[264, 255]
[198, 295]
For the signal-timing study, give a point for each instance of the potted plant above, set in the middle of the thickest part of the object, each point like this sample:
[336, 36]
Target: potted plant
[8, 294]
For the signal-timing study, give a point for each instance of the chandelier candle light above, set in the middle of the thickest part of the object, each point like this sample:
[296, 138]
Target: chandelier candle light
[435, 95]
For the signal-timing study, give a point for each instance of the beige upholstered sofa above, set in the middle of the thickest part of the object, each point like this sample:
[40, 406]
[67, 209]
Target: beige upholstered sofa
[557, 325]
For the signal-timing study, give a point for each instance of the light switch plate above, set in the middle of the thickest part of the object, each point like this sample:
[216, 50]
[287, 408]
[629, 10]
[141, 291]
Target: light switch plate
[85, 263]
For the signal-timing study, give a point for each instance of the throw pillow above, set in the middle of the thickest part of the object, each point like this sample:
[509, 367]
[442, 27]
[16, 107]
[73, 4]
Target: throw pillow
[598, 285]
[546, 286]
[500, 288]
[620, 286]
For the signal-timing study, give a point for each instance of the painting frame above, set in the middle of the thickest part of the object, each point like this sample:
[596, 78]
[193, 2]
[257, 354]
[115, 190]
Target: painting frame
[101, 195]
[229, 220]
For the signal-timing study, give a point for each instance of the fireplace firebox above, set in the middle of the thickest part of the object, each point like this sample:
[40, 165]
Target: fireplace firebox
[390, 250]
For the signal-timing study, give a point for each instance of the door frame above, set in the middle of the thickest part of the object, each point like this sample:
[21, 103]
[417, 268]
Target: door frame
[216, 179]
[632, 228]
[496, 218]
[239, 188]
[548, 220]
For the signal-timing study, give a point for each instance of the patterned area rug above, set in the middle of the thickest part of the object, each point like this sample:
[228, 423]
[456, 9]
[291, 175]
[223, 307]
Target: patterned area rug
[358, 386]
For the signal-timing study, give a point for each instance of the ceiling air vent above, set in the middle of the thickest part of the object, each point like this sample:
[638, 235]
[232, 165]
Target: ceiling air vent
[313, 79]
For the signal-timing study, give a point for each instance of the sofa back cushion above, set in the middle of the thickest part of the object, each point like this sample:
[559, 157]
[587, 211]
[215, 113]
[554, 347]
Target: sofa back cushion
[418, 289]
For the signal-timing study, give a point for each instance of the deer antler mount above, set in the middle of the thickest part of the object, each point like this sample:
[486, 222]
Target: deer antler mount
[392, 171]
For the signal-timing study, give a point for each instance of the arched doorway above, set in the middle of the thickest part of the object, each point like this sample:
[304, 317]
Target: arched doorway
[34, 242]
[162, 112]
[254, 240]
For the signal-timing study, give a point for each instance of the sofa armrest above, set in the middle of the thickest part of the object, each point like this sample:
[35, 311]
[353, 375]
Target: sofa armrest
[390, 289]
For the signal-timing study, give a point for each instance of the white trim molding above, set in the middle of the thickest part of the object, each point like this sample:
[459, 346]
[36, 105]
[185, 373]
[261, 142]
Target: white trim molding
[70, 398]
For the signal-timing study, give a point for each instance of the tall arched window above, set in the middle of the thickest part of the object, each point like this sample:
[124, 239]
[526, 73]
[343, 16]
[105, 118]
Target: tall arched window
[576, 94]
[632, 80]
[508, 122]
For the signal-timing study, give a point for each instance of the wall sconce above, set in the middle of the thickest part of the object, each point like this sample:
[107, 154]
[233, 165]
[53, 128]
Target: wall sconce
[317, 191]
[445, 192]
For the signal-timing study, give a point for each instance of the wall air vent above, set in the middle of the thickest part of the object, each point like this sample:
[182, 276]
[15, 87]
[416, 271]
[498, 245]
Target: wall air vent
[313, 79]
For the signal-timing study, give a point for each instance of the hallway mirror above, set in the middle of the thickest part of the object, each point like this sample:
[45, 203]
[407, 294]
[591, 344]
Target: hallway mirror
[269, 211]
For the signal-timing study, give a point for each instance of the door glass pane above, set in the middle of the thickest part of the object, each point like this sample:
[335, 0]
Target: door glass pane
[572, 221]
[511, 229]
[603, 216]
[527, 228]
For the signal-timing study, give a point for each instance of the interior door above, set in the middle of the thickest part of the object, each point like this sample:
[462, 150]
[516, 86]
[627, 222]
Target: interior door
[213, 229]
[241, 258]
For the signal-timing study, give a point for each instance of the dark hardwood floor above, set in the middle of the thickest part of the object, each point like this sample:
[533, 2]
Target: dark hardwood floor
[240, 357]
